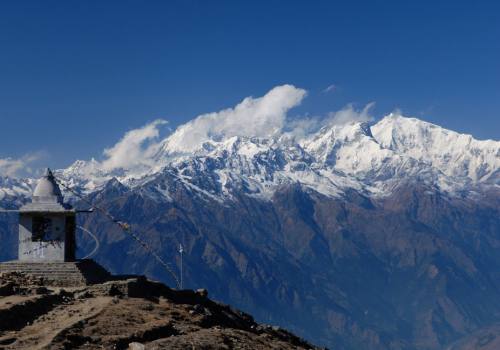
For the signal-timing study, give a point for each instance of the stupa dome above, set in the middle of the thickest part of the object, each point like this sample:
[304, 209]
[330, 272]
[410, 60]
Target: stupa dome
[47, 188]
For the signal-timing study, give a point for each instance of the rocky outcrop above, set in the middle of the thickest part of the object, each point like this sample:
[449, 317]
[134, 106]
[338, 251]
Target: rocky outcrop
[130, 313]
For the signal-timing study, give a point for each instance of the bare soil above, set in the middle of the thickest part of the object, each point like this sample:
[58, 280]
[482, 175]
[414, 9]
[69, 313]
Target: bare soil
[132, 313]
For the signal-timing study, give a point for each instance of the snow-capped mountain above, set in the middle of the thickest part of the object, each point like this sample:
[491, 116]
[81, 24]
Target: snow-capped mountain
[355, 235]
[457, 155]
[371, 159]
[13, 191]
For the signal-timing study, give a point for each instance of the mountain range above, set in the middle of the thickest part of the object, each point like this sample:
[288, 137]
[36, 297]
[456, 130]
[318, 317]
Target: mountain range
[373, 160]
[353, 234]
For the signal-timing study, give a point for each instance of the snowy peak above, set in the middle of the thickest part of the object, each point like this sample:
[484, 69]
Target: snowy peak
[253, 117]
[329, 144]
[14, 192]
[374, 160]
[456, 155]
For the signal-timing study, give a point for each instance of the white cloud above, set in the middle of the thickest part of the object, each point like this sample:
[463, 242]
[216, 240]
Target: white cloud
[261, 117]
[302, 127]
[10, 167]
[264, 116]
[397, 111]
[135, 148]
[348, 115]
[254, 117]
[330, 88]
[21, 166]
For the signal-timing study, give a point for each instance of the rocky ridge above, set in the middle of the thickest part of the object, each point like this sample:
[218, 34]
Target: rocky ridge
[132, 313]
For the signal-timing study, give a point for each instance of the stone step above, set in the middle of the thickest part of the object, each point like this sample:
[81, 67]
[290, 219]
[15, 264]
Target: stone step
[35, 272]
[51, 275]
[81, 272]
[39, 270]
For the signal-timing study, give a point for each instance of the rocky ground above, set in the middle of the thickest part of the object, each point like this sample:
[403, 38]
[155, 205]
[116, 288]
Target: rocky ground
[132, 313]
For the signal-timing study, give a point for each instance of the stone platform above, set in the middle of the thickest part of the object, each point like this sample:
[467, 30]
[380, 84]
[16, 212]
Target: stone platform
[59, 274]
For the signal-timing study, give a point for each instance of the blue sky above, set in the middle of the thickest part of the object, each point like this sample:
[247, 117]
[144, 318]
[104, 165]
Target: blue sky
[76, 75]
